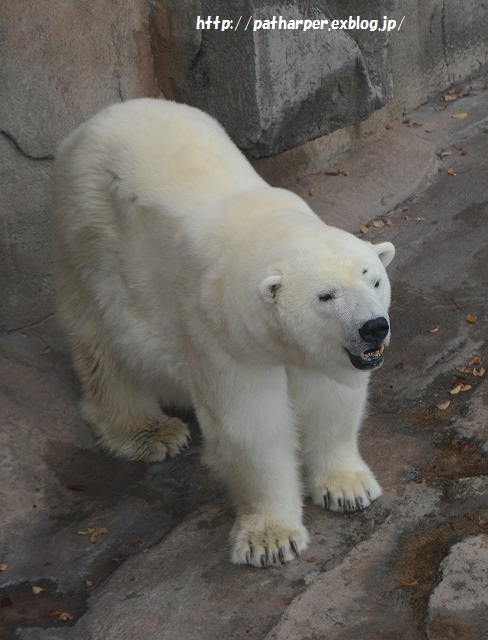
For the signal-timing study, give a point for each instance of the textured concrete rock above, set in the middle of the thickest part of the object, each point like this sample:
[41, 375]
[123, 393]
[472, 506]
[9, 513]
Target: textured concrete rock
[440, 43]
[344, 604]
[64, 60]
[61, 62]
[458, 607]
[475, 425]
[26, 271]
[272, 88]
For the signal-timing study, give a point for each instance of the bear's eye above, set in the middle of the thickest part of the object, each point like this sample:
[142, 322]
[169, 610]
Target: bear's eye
[325, 297]
[377, 284]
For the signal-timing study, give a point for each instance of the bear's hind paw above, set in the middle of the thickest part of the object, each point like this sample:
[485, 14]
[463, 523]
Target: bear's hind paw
[261, 543]
[152, 441]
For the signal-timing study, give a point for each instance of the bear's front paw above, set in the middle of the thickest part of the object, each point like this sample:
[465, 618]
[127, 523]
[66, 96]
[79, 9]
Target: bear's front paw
[262, 542]
[346, 490]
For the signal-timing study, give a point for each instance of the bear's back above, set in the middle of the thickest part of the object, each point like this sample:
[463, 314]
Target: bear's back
[162, 151]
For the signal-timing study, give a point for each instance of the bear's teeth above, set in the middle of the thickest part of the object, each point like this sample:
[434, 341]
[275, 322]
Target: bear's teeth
[372, 354]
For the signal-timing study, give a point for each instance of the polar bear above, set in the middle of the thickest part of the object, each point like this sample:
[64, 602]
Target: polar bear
[186, 280]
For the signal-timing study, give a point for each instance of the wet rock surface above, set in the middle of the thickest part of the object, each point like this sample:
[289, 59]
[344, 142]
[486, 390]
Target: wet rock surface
[92, 547]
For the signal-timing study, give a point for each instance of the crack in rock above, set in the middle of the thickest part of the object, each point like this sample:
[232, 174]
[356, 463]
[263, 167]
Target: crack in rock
[18, 147]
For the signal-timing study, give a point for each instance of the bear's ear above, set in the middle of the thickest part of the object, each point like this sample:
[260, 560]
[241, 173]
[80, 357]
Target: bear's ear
[385, 251]
[268, 288]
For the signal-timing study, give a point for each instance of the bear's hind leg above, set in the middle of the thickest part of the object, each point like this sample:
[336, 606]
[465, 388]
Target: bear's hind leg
[124, 417]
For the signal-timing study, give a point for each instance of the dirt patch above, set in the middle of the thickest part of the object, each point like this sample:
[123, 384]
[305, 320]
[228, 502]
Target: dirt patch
[415, 571]
[39, 603]
[455, 458]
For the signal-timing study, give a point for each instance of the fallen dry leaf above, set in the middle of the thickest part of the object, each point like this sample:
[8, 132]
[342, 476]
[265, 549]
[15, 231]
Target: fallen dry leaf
[46, 350]
[451, 171]
[444, 405]
[454, 94]
[65, 616]
[364, 229]
[482, 524]
[464, 152]
[62, 615]
[75, 487]
[93, 532]
[417, 220]
[465, 370]
[336, 172]
[479, 372]
[408, 218]
[409, 582]
[469, 515]
[89, 583]
[434, 329]
[37, 590]
[414, 125]
[459, 116]
[311, 559]
[471, 319]
[444, 154]
[455, 390]
[466, 387]
[311, 192]
[3, 566]
[381, 223]
[474, 360]
[389, 126]
[141, 544]
[399, 366]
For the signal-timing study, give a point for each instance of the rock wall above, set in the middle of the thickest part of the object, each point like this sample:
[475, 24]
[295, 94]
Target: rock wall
[62, 60]
[273, 89]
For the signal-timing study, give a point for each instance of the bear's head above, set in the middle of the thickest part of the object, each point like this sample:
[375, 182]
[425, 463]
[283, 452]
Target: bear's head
[328, 302]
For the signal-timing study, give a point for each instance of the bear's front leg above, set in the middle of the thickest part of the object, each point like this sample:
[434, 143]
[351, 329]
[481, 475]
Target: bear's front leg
[250, 441]
[330, 417]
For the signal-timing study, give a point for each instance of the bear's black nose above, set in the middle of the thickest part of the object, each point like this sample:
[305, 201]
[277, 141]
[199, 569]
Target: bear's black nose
[374, 331]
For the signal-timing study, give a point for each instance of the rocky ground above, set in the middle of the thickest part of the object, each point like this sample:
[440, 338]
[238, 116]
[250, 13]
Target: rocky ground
[102, 549]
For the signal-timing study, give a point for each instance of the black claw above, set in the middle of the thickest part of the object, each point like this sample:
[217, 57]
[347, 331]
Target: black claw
[351, 506]
[248, 557]
[294, 546]
[263, 560]
[282, 554]
[340, 503]
[360, 503]
[369, 495]
[326, 500]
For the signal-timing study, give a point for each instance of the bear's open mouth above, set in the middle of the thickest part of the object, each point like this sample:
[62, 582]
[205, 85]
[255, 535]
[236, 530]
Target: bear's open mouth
[370, 359]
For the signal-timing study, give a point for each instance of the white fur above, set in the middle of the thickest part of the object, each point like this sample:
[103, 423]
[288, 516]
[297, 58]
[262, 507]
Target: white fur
[185, 278]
